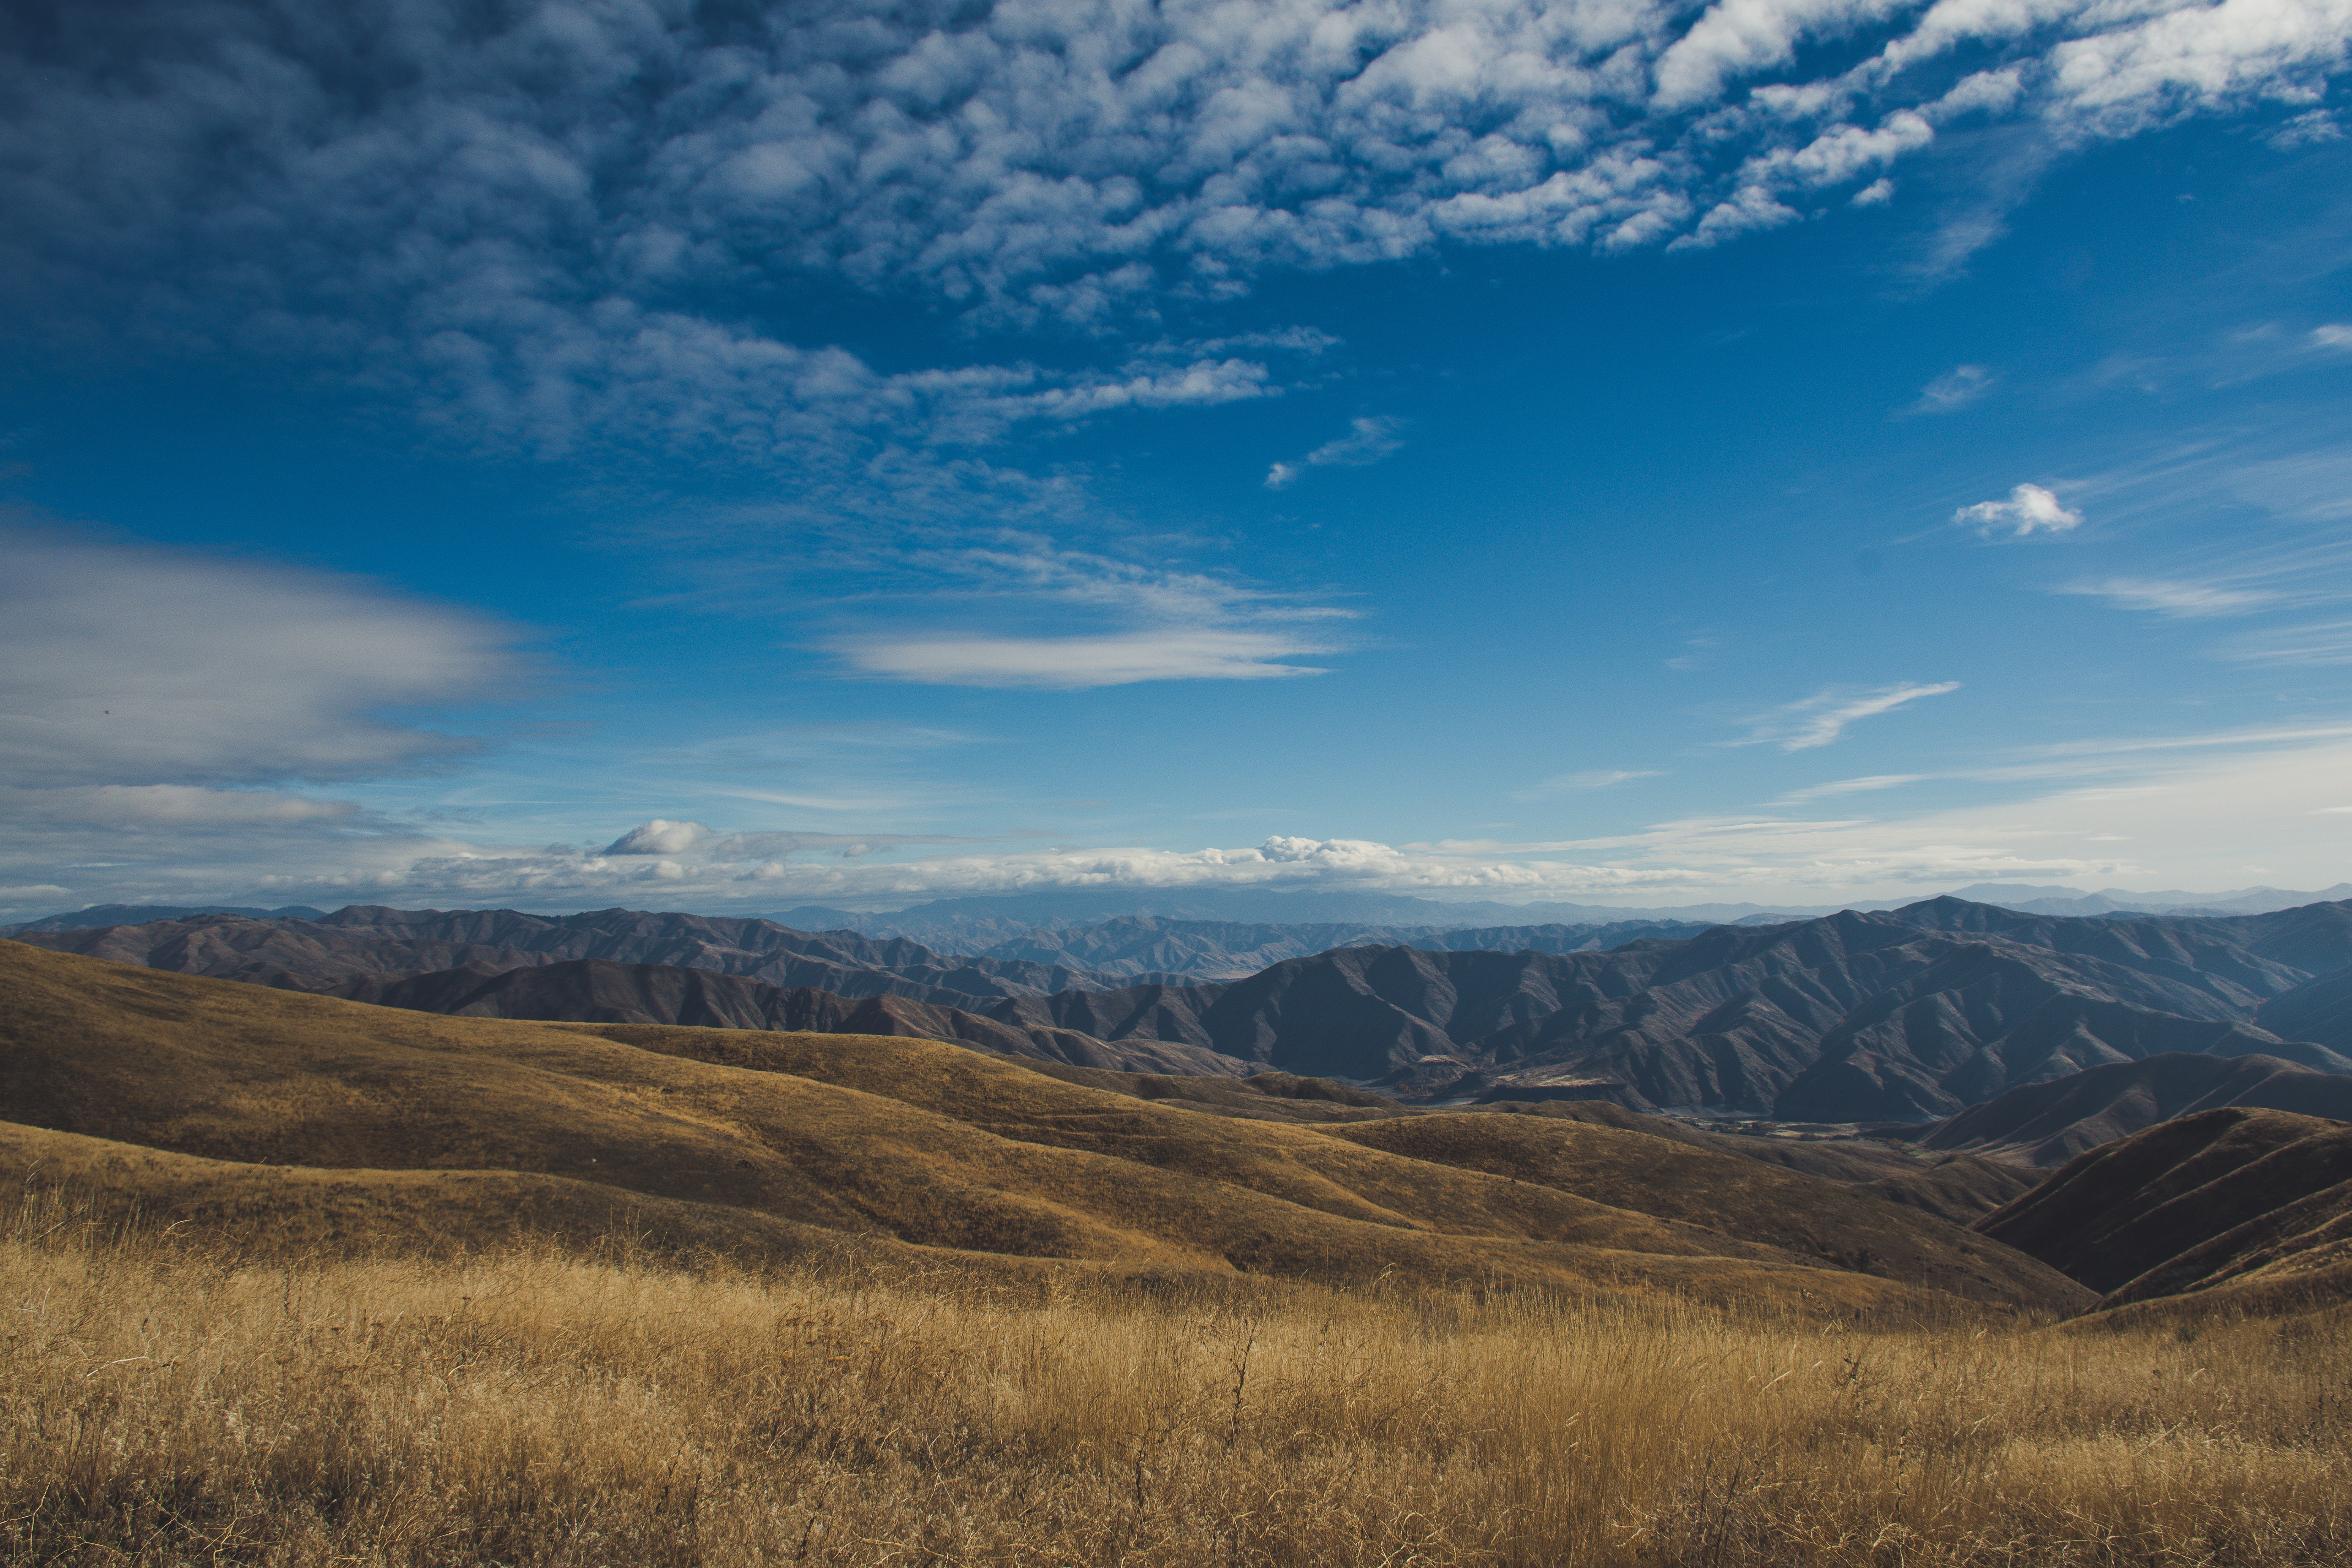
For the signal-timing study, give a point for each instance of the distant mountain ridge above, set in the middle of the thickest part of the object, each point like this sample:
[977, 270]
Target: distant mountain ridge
[1910, 1014]
[597, 991]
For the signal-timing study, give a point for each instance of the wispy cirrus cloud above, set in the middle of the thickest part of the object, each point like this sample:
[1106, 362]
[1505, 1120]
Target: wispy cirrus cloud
[1121, 659]
[1824, 718]
[1954, 390]
[1367, 441]
[2169, 598]
[1589, 779]
[2324, 644]
[1837, 787]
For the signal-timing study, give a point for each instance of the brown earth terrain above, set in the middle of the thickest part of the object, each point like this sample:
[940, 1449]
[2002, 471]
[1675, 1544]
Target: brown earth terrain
[2235, 1209]
[901, 1140]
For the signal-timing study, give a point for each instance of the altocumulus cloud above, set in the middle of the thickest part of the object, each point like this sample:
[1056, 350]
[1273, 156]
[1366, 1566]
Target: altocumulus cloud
[488, 201]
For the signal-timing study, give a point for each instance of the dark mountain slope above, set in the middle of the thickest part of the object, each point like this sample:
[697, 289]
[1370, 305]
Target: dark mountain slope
[592, 991]
[2318, 1010]
[1981, 1018]
[98, 915]
[2213, 955]
[1863, 1016]
[2047, 1124]
[2235, 1201]
[1141, 946]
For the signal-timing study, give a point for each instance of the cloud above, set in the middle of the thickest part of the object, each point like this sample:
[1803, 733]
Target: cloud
[1955, 389]
[1849, 786]
[2030, 508]
[1112, 622]
[2168, 598]
[1073, 662]
[496, 213]
[178, 807]
[2196, 804]
[1367, 442]
[126, 665]
[1595, 778]
[2334, 335]
[659, 836]
[1822, 717]
[2308, 128]
[2325, 644]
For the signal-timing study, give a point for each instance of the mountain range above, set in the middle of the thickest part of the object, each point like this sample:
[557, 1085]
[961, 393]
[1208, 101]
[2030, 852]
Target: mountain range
[1904, 1016]
[976, 923]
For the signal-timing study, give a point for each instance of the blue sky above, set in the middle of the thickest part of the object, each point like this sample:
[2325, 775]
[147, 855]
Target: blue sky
[724, 458]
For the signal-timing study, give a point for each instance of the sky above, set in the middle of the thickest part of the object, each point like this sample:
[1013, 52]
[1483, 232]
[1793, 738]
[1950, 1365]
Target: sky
[732, 456]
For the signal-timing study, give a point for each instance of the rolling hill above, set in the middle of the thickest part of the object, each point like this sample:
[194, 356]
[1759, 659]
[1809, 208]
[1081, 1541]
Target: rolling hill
[595, 989]
[2234, 1209]
[334, 1114]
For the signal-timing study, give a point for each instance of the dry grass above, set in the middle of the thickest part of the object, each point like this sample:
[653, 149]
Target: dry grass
[166, 1403]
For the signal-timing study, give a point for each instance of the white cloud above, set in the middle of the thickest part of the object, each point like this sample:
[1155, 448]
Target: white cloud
[1738, 38]
[659, 836]
[2324, 645]
[2030, 508]
[1594, 778]
[2168, 598]
[2195, 806]
[476, 210]
[122, 664]
[2334, 335]
[1367, 441]
[1849, 786]
[1822, 717]
[176, 807]
[1116, 623]
[1955, 389]
[1070, 662]
[2306, 129]
[1878, 192]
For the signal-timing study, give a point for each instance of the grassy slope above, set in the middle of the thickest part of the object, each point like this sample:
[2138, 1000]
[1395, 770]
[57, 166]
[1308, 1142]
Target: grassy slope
[2234, 1209]
[906, 1140]
[1739, 1197]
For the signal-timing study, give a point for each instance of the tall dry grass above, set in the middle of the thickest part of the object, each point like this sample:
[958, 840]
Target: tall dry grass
[166, 1403]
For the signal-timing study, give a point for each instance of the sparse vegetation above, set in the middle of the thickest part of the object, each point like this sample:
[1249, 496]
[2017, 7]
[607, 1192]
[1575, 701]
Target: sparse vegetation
[168, 1401]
